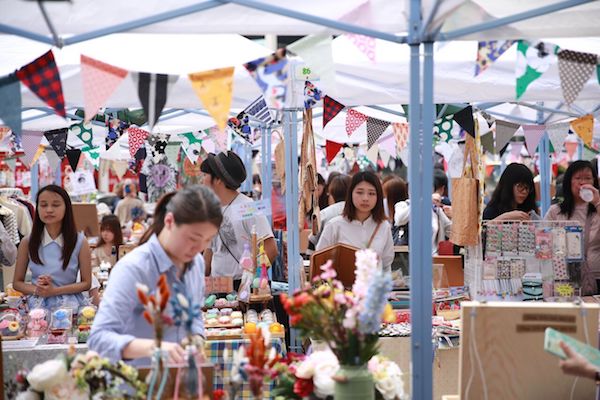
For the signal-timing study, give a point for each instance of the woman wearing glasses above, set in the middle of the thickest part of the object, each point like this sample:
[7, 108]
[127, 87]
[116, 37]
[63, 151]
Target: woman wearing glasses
[580, 203]
[514, 196]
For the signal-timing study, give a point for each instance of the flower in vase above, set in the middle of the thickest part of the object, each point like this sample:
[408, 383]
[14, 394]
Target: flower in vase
[303, 387]
[328, 271]
[44, 376]
[388, 377]
[66, 389]
[374, 303]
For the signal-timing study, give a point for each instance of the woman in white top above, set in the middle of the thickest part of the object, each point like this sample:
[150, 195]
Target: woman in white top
[363, 223]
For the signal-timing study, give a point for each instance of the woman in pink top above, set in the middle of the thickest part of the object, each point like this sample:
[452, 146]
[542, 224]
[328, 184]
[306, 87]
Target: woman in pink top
[581, 175]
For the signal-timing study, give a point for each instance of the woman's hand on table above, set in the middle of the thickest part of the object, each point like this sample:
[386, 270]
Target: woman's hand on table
[175, 351]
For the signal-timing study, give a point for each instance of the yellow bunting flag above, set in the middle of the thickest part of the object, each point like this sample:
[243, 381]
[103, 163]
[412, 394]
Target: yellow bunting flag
[38, 153]
[215, 88]
[584, 127]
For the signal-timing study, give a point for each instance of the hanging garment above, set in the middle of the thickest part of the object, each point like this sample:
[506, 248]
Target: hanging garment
[9, 220]
[24, 222]
[309, 199]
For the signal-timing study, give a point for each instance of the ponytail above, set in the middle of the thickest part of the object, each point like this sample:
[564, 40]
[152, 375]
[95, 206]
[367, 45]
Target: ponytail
[158, 222]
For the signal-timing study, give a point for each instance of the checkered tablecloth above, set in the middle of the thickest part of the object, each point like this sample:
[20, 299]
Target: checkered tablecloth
[214, 354]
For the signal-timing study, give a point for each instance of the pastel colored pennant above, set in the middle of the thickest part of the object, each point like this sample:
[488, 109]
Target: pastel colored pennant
[557, 133]
[388, 144]
[575, 68]
[571, 148]
[119, 167]
[375, 128]
[354, 119]
[153, 90]
[584, 128]
[30, 141]
[53, 159]
[400, 130]
[373, 153]
[533, 134]
[515, 148]
[137, 137]
[366, 44]
[10, 103]
[331, 108]
[42, 78]
[215, 88]
[316, 51]
[99, 80]
[488, 52]
[172, 152]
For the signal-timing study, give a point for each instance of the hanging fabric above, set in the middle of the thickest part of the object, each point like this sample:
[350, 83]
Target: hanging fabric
[309, 199]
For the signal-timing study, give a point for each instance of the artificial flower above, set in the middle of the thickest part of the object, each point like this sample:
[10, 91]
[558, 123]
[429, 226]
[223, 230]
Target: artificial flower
[303, 387]
[28, 395]
[44, 376]
[388, 377]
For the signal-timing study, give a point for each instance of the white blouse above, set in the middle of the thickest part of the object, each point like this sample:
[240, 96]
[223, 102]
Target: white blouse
[357, 234]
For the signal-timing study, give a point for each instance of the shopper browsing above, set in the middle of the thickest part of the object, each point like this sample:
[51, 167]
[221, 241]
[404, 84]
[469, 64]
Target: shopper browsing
[224, 173]
[580, 178]
[363, 223]
[111, 237]
[130, 201]
[184, 224]
[55, 253]
[514, 196]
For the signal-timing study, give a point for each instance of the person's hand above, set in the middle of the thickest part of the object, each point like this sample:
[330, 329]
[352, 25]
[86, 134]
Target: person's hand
[175, 351]
[576, 364]
[596, 198]
[44, 280]
[45, 289]
[447, 211]
[436, 199]
[515, 215]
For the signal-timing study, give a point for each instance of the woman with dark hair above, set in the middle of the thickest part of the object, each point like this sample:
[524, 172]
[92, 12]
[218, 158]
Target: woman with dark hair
[110, 236]
[394, 190]
[185, 222]
[514, 196]
[322, 192]
[363, 223]
[55, 253]
[580, 178]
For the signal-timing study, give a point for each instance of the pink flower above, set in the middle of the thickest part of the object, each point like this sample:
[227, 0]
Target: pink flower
[328, 271]
[340, 298]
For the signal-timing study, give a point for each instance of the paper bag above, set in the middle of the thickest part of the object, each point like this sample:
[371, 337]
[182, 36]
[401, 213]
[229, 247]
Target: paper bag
[465, 202]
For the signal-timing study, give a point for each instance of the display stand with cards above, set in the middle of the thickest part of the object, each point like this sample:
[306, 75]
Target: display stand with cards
[526, 260]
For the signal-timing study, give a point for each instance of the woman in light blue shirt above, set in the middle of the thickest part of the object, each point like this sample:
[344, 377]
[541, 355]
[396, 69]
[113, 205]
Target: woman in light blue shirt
[185, 222]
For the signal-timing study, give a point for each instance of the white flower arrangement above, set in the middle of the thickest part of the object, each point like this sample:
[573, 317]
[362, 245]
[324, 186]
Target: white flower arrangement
[46, 375]
[388, 378]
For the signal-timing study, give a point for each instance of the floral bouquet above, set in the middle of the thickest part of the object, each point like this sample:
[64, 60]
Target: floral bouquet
[80, 377]
[348, 322]
[314, 376]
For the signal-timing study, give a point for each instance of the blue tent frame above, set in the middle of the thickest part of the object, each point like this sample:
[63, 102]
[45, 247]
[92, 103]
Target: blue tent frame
[419, 37]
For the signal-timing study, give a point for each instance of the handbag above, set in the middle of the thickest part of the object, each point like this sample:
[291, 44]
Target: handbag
[465, 201]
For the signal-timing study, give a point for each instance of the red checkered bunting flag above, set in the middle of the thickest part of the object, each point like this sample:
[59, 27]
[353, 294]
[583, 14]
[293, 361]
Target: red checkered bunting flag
[42, 78]
[375, 128]
[99, 80]
[137, 137]
[331, 108]
[354, 119]
[332, 148]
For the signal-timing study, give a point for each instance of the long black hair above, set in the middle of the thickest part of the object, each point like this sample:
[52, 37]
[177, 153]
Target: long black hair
[378, 212]
[192, 204]
[67, 229]
[568, 204]
[503, 196]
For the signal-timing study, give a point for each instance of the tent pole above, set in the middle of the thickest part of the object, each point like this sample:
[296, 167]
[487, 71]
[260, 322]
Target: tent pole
[267, 183]
[341, 26]
[511, 117]
[295, 268]
[11, 30]
[545, 165]
[35, 180]
[495, 23]
[557, 110]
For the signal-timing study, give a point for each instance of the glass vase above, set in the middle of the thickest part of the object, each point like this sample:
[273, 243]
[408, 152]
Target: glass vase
[356, 382]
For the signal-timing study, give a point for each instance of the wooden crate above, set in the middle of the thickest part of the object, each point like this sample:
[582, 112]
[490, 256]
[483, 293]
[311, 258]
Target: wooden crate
[509, 340]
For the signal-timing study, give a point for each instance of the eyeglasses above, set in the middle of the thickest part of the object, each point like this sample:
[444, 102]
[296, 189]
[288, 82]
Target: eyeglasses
[522, 187]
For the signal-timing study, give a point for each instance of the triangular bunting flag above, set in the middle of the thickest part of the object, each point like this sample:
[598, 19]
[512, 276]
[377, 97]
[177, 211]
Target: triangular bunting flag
[53, 159]
[532, 62]
[153, 90]
[584, 128]
[331, 108]
[388, 144]
[42, 78]
[220, 138]
[208, 145]
[271, 74]
[488, 118]
[350, 155]
[58, 140]
[99, 80]
[487, 142]
[259, 110]
[192, 145]
[385, 157]
[504, 132]
[366, 44]
[557, 133]
[375, 128]
[215, 88]
[598, 73]
[533, 134]
[93, 155]
[373, 153]
[465, 119]
[10, 103]
[316, 51]
[73, 155]
[405, 156]
[588, 154]
[515, 148]
[354, 119]
[575, 68]
[241, 125]
[11, 162]
[30, 140]
[116, 128]
[443, 128]
[312, 95]
[172, 152]
[157, 143]
[119, 167]
[401, 135]
[490, 51]
[571, 148]
[332, 148]
[137, 137]
[38, 153]
[84, 132]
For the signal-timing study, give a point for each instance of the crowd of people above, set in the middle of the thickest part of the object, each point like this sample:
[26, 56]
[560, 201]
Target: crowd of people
[197, 232]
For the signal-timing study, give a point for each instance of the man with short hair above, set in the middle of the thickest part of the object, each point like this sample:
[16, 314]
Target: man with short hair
[224, 173]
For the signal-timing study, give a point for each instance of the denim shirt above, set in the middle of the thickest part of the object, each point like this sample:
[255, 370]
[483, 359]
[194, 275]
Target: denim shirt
[120, 320]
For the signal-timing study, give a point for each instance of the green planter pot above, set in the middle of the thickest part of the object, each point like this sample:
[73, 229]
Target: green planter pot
[358, 383]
